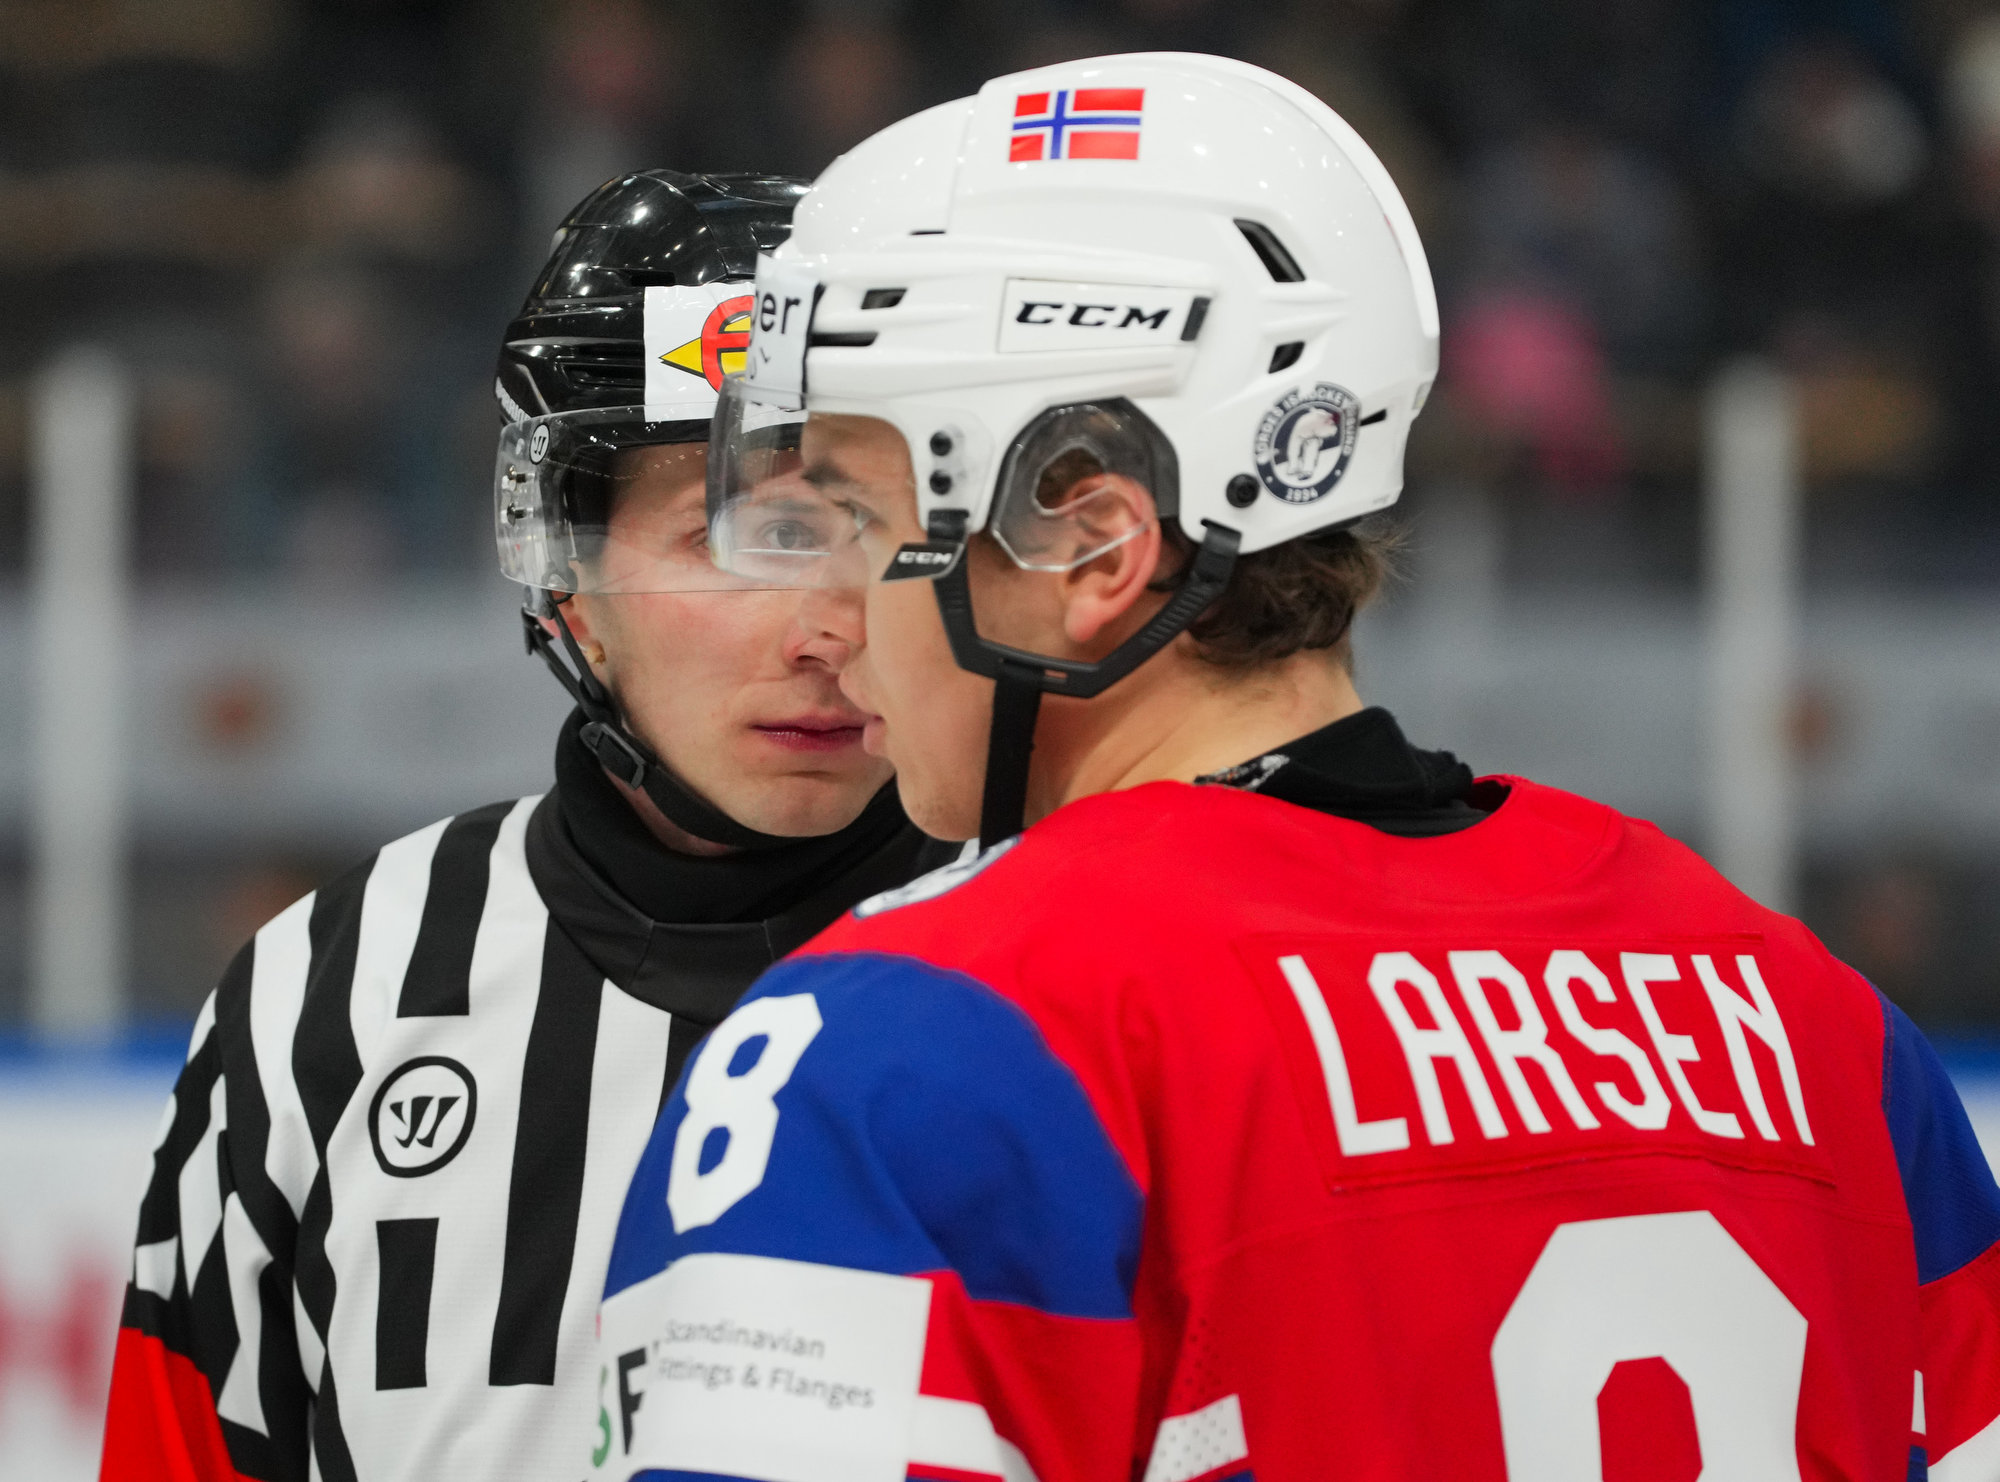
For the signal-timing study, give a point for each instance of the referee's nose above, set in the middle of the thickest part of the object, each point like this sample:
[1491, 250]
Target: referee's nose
[826, 630]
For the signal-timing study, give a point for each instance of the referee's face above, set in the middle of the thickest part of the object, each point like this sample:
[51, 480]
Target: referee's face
[738, 691]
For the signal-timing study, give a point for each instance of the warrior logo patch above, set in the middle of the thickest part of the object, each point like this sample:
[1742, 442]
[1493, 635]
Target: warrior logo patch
[422, 1115]
[1304, 442]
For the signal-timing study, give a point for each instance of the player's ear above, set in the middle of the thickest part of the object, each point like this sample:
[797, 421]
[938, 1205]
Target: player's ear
[1105, 588]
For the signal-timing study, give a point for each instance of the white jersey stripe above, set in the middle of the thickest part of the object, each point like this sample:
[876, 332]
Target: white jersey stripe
[631, 1051]
[153, 1266]
[239, 1399]
[958, 1435]
[312, 1352]
[953, 1434]
[1013, 1461]
[512, 924]
[1976, 1459]
[201, 1186]
[277, 989]
[403, 1432]
[392, 909]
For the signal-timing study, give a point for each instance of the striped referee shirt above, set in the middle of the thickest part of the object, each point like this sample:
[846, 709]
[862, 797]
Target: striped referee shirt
[385, 1189]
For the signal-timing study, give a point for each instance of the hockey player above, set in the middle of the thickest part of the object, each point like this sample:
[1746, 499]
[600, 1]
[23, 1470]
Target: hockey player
[384, 1195]
[1282, 1103]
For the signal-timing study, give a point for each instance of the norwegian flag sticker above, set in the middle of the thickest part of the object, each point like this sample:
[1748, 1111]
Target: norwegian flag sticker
[1086, 123]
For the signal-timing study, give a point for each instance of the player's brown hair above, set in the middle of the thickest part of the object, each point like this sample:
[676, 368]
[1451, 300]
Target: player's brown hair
[1286, 599]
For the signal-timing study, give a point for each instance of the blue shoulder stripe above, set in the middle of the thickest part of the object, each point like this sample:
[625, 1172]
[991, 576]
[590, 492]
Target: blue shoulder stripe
[926, 1126]
[1953, 1202]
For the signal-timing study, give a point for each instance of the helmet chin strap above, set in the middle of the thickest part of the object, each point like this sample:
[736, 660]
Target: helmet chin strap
[1020, 678]
[621, 753]
[1010, 746]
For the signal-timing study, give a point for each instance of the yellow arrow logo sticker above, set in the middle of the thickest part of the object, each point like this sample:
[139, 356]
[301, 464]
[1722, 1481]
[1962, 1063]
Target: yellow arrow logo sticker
[718, 350]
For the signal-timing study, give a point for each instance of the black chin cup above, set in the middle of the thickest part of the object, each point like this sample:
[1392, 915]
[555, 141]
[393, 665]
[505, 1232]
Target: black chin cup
[1020, 678]
[621, 753]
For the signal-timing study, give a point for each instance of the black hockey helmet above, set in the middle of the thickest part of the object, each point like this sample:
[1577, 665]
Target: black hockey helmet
[623, 342]
[580, 339]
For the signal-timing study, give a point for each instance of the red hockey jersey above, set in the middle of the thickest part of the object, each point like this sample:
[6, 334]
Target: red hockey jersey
[1194, 1135]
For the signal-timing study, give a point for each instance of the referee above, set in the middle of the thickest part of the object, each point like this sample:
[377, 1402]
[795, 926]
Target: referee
[384, 1195]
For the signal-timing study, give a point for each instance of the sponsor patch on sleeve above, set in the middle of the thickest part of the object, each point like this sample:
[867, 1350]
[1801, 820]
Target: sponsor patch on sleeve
[748, 1366]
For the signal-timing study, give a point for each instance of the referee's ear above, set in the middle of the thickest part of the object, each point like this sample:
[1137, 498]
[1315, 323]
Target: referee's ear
[580, 613]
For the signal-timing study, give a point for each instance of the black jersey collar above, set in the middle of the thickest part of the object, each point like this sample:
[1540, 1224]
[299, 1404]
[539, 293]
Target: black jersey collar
[1362, 767]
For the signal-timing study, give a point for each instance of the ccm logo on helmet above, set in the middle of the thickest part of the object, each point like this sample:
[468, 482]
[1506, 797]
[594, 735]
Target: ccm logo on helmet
[1090, 316]
[1041, 315]
[923, 558]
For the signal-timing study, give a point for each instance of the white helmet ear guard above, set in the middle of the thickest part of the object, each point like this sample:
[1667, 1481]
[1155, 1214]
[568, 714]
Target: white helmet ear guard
[1071, 447]
[1176, 267]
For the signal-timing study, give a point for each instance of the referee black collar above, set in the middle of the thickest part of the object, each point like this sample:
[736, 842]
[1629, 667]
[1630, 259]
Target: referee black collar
[696, 969]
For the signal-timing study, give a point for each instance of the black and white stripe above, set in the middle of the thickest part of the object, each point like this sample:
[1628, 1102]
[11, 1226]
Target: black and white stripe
[358, 1325]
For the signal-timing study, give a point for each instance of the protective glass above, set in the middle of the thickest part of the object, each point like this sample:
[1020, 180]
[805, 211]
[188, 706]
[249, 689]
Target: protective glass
[601, 500]
[1052, 511]
[766, 523]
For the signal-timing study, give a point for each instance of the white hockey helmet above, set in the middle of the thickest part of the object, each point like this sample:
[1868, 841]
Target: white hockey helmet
[1188, 267]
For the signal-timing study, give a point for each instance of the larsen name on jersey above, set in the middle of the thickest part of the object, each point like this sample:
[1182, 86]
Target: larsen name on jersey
[1402, 989]
[1530, 1151]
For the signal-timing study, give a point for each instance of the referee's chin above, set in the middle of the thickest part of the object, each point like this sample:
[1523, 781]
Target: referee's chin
[800, 800]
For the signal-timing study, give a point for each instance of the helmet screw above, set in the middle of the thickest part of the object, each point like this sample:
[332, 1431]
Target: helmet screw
[941, 444]
[1242, 491]
[940, 482]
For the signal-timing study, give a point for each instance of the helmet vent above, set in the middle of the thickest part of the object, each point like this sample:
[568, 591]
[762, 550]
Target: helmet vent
[850, 339]
[1286, 356]
[602, 377]
[1279, 263]
[882, 298]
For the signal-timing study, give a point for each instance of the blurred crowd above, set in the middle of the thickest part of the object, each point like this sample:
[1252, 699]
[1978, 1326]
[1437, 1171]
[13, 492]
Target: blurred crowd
[304, 223]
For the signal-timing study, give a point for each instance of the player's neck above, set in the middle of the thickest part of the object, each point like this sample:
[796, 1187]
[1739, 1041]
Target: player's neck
[1177, 719]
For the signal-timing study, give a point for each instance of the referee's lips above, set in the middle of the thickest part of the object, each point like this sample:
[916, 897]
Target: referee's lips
[818, 732]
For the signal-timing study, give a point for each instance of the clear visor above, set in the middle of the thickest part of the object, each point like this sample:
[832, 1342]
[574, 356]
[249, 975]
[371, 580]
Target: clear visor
[601, 500]
[791, 506]
[767, 523]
